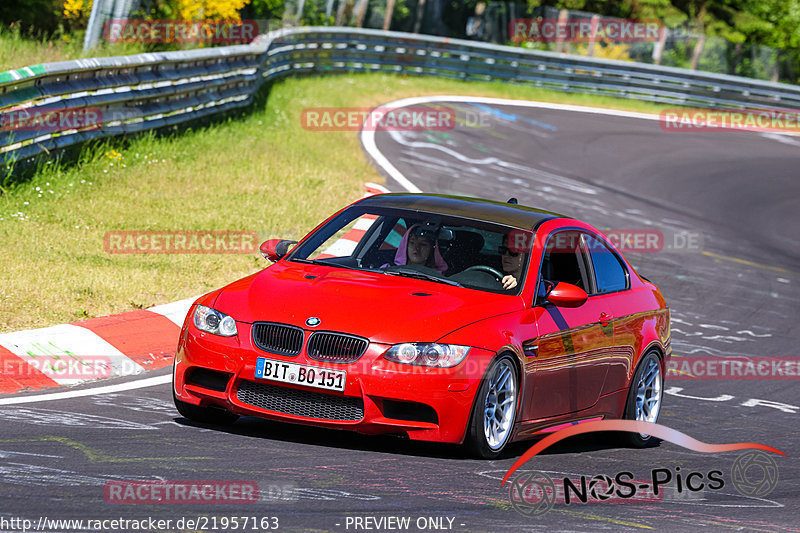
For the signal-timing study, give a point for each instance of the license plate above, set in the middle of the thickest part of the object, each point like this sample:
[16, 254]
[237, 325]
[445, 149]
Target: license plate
[310, 376]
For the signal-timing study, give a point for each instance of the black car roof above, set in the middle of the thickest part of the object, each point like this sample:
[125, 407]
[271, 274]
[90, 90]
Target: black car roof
[513, 215]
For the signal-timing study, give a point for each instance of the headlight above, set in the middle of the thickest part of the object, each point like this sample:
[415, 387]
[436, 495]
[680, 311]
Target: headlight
[427, 354]
[212, 321]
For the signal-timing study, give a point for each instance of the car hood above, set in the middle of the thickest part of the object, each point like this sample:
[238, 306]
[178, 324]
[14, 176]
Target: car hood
[383, 308]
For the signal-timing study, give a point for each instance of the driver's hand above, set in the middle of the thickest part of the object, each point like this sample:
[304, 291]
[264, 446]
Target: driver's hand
[509, 282]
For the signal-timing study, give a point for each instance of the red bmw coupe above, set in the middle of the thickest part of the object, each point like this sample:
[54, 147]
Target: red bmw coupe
[441, 318]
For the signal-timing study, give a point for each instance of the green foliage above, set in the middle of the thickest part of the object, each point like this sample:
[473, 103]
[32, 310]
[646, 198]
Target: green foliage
[266, 9]
[714, 57]
[314, 14]
[36, 17]
[756, 62]
[156, 10]
[680, 55]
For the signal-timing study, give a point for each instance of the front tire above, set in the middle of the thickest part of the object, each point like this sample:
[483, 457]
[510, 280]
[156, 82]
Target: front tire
[494, 410]
[644, 397]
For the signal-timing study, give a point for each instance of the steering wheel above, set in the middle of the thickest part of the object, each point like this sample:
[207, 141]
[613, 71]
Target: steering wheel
[484, 268]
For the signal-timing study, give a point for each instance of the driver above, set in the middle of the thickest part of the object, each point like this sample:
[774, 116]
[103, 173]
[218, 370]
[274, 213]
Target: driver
[512, 261]
[419, 246]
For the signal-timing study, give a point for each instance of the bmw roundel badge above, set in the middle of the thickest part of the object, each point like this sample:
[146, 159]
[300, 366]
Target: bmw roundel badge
[312, 321]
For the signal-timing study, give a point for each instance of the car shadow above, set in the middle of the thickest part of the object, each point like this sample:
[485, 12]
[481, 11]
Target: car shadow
[400, 444]
[591, 442]
[250, 426]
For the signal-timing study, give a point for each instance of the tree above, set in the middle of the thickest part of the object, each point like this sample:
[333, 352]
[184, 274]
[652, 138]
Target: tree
[35, 16]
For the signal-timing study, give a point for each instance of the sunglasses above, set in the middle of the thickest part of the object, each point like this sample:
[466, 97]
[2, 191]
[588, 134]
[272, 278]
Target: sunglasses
[507, 250]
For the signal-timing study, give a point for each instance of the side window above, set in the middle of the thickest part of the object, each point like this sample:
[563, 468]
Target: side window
[393, 238]
[343, 243]
[564, 260]
[609, 272]
[380, 246]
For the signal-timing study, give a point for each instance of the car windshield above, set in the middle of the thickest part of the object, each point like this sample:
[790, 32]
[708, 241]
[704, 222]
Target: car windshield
[438, 248]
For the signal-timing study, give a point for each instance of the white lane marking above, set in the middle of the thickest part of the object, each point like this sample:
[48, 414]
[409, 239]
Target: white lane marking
[752, 402]
[175, 311]
[784, 137]
[35, 475]
[317, 494]
[5, 454]
[47, 417]
[139, 384]
[368, 135]
[512, 168]
[368, 142]
[397, 137]
[713, 326]
[676, 391]
[51, 350]
[142, 404]
[748, 332]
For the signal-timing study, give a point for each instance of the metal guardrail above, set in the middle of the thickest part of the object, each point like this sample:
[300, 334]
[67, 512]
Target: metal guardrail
[150, 91]
[133, 93]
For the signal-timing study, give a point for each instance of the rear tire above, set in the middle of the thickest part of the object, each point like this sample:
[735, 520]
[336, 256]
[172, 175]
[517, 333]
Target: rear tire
[644, 398]
[205, 415]
[494, 410]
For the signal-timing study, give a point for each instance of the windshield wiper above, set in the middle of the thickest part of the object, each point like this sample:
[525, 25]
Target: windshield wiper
[421, 275]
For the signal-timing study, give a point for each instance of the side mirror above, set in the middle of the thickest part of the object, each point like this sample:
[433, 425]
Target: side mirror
[274, 249]
[567, 295]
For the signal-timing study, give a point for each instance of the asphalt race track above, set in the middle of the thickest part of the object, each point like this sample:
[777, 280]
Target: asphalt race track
[726, 204]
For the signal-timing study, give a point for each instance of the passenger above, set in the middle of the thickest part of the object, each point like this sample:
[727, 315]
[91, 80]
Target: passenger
[420, 247]
[512, 265]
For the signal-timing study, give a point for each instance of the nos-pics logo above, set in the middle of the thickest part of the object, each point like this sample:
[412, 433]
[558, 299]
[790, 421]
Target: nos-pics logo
[533, 493]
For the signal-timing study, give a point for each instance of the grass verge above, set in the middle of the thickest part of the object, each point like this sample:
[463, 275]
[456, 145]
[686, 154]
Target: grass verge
[261, 173]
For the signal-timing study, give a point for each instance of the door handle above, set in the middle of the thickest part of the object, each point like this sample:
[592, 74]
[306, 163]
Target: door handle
[605, 318]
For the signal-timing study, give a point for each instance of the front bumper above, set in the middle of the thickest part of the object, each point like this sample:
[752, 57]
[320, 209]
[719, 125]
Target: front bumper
[430, 404]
